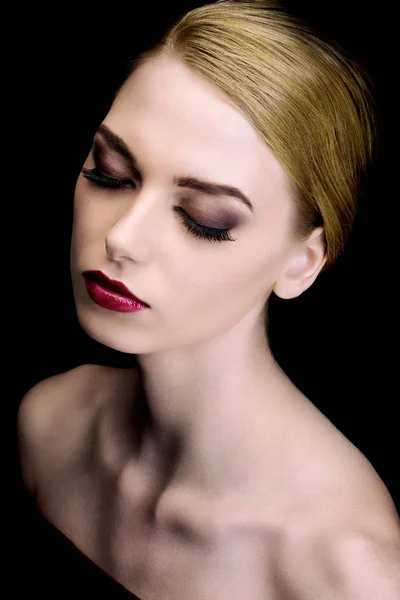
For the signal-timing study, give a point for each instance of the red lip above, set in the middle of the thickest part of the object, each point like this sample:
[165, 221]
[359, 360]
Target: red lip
[111, 284]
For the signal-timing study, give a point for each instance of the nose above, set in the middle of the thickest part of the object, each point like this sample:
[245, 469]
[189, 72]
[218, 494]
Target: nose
[139, 229]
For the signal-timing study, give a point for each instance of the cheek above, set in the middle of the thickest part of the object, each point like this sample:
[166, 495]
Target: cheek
[90, 218]
[84, 228]
[83, 207]
[224, 287]
[80, 206]
[211, 298]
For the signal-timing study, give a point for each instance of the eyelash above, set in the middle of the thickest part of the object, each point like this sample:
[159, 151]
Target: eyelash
[213, 235]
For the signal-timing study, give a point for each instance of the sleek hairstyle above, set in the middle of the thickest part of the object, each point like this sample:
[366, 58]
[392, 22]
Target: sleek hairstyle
[312, 103]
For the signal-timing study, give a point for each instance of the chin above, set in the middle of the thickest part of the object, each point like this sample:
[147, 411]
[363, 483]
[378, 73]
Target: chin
[109, 341]
[111, 334]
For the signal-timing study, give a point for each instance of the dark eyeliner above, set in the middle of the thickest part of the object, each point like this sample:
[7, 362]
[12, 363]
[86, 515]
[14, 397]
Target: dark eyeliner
[214, 235]
[102, 180]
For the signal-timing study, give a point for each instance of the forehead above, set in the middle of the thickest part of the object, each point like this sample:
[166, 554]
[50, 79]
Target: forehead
[167, 110]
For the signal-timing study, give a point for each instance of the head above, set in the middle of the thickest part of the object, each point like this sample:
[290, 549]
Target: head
[248, 138]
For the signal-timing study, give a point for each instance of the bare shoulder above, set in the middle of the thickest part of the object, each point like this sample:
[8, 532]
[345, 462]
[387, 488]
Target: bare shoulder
[343, 539]
[60, 392]
[350, 561]
[52, 415]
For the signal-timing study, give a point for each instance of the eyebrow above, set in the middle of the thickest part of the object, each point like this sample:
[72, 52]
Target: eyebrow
[116, 143]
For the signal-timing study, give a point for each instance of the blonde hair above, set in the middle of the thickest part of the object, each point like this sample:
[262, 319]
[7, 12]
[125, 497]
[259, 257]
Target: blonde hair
[311, 103]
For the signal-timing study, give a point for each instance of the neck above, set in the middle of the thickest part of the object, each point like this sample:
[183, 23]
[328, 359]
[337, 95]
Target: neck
[207, 412]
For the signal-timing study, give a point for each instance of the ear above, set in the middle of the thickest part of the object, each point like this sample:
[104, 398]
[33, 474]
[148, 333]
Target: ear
[302, 266]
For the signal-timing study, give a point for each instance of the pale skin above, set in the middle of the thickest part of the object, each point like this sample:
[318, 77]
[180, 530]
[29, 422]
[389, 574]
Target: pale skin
[205, 473]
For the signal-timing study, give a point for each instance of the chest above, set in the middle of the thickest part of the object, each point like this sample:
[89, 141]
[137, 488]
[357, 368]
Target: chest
[160, 559]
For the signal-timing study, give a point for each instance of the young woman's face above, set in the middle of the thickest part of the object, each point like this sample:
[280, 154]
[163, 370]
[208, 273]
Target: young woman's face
[186, 142]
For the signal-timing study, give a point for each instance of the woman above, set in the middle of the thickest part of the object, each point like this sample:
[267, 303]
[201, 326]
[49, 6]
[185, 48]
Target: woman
[227, 168]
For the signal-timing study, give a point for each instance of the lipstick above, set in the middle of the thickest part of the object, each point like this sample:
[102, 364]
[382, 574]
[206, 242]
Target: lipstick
[111, 294]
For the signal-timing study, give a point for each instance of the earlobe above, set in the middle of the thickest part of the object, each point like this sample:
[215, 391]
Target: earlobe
[302, 267]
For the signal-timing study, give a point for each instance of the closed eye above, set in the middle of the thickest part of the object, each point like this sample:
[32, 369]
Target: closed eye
[105, 181]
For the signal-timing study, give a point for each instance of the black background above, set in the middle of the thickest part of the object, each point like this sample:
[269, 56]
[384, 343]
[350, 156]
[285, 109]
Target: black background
[336, 341]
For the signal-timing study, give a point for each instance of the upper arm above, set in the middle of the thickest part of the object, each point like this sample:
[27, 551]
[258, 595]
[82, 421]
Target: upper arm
[42, 422]
[371, 566]
[351, 565]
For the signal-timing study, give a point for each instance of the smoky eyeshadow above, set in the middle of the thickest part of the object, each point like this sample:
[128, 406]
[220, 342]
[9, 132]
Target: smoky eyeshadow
[103, 162]
[99, 154]
[213, 219]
